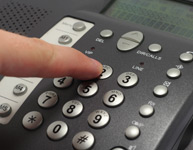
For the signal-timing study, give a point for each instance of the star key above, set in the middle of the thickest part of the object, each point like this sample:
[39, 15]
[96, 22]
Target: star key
[32, 120]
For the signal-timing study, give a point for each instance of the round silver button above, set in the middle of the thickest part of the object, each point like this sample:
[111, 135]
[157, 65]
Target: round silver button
[5, 110]
[83, 140]
[113, 98]
[173, 73]
[79, 26]
[107, 72]
[186, 57]
[64, 39]
[146, 110]
[48, 99]
[63, 82]
[72, 108]
[154, 48]
[160, 90]
[20, 89]
[32, 120]
[98, 118]
[87, 89]
[127, 79]
[118, 148]
[132, 132]
[106, 33]
[57, 130]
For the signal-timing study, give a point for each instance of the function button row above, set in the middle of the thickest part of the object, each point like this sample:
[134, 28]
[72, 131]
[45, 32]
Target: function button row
[132, 132]
[186, 57]
[129, 40]
[173, 73]
[154, 48]
[20, 89]
[106, 33]
[5, 110]
[57, 130]
[160, 90]
[79, 26]
[146, 110]
[48, 99]
[118, 148]
[66, 39]
[72, 108]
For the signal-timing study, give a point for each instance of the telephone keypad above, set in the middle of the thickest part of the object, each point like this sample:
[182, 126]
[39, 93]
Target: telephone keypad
[87, 89]
[72, 108]
[127, 79]
[98, 118]
[83, 140]
[57, 130]
[32, 120]
[107, 72]
[48, 99]
[63, 82]
[113, 98]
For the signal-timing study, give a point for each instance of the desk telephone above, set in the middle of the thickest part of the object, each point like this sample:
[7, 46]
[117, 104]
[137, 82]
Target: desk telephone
[142, 101]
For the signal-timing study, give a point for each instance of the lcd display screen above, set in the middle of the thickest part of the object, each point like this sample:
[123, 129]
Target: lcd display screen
[166, 15]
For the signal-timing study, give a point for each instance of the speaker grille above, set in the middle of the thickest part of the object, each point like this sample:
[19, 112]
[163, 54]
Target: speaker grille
[20, 18]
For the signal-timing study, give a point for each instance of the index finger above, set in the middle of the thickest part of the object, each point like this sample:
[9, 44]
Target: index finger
[31, 57]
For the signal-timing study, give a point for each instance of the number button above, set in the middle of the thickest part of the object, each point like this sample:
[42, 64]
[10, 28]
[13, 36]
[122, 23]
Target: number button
[57, 130]
[113, 98]
[98, 119]
[107, 72]
[72, 108]
[127, 79]
[48, 99]
[62, 82]
[87, 89]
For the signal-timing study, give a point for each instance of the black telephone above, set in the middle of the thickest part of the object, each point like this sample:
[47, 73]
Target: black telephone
[143, 100]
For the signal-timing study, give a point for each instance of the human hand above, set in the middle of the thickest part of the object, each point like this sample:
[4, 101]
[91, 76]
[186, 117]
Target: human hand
[31, 57]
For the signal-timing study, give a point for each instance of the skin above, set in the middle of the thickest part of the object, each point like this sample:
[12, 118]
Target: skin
[31, 57]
